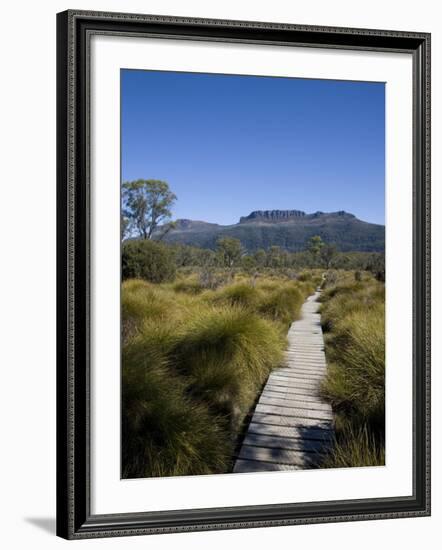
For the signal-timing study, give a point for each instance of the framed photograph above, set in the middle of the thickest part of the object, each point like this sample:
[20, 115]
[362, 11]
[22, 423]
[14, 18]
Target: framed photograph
[243, 274]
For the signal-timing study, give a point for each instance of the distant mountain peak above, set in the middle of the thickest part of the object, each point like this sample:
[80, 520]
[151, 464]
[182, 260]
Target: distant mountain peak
[186, 224]
[288, 229]
[272, 216]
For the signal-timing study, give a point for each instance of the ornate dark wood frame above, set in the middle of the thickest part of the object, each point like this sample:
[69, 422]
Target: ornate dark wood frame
[74, 29]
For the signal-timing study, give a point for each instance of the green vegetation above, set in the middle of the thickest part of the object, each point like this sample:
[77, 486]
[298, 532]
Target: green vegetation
[194, 361]
[229, 251]
[353, 319]
[231, 257]
[148, 260]
[146, 205]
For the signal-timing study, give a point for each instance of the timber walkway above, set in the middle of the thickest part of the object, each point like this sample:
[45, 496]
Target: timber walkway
[291, 425]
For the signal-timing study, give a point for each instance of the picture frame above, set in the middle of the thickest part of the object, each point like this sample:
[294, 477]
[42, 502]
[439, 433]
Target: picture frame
[75, 519]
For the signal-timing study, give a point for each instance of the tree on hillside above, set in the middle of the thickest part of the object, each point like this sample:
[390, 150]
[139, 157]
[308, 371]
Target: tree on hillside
[328, 253]
[248, 264]
[260, 257]
[276, 257]
[230, 251]
[315, 245]
[146, 205]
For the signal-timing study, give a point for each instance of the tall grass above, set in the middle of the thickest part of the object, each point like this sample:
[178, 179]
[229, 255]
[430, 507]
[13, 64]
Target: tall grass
[238, 294]
[283, 304]
[227, 354]
[164, 432]
[194, 361]
[276, 300]
[353, 317]
[355, 446]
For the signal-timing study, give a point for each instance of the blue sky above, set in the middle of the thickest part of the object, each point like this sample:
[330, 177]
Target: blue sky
[228, 145]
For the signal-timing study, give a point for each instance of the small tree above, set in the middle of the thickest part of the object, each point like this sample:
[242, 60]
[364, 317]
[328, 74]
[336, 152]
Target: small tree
[328, 253]
[275, 257]
[248, 264]
[260, 257]
[229, 251]
[146, 205]
[315, 245]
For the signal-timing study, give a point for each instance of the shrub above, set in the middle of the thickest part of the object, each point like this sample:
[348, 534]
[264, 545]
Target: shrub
[211, 279]
[305, 276]
[148, 260]
[331, 278]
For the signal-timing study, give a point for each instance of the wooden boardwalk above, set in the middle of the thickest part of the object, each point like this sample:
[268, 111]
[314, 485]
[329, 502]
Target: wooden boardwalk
[291, 425]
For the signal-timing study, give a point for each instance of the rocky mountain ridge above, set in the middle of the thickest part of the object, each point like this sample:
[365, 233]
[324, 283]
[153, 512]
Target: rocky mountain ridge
[289, 229]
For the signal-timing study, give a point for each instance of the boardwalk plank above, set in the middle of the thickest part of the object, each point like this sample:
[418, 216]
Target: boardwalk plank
[291, 411]
[248, 466]
[282, 442]
[284, 388]
[313, 374]
[305, 398]
[279, 420]
[295, 432]
[295, 380]
[278, 456]
[310, 405]
[286, 383]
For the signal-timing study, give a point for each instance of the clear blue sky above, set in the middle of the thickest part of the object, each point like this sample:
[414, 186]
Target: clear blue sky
[228, 145]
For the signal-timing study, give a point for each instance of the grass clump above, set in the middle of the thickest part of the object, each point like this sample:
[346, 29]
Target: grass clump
[188, 286]
[227, 354]
[353, 317]
[283, 304]
[239, 294]
[355, 446]
[277, 300]
[164, 433]
[141, 300]
[355, 381]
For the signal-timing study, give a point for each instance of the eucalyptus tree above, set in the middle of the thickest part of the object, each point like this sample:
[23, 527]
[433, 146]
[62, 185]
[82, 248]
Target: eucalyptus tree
[147, 205]
[230, 251]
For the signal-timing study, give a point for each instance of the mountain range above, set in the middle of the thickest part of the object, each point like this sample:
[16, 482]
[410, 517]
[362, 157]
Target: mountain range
[289, 229]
